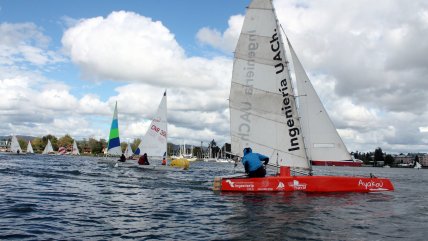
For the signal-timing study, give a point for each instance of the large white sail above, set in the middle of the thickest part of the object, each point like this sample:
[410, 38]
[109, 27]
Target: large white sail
[263, 112]
[154, 141]
[321, 138]
[48, 149]
[75, 150]
[14, 146]
[29, 148]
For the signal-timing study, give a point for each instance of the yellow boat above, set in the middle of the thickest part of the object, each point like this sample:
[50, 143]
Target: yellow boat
[181, 163]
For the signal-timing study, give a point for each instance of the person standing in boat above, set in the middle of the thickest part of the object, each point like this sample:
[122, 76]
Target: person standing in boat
[143, 160]
[253, 163]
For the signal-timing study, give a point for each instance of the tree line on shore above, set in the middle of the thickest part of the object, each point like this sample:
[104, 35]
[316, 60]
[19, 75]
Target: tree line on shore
[378, 157]
[96, 147]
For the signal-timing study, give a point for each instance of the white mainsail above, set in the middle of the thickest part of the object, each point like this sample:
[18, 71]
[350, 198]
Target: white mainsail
[128, 151]
[154, 141]
[75, 150]
[48, 149]
[29, 148]
[322, 141]
[263, 112]
[14, 146]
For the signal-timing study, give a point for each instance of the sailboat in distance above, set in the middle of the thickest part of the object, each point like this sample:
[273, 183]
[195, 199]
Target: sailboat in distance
[14, 146]
[128, 151]
[30, 148]
[113, 146]
[264, 116]
[75, 150]
[154, 142]
[48, 149]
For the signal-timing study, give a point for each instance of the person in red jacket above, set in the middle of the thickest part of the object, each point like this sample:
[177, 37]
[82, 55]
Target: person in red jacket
[143, 160]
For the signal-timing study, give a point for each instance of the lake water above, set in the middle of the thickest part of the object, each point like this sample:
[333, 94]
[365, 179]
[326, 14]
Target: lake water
[79, 198]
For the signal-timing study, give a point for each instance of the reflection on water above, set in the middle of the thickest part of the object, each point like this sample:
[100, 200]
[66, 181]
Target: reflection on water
[60, 197]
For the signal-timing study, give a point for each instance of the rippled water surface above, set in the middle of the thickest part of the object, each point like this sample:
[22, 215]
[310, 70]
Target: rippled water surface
[80, 198]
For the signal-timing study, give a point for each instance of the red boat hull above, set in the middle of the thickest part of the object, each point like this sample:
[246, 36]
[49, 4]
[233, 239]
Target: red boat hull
[337, 163]
[286, 183]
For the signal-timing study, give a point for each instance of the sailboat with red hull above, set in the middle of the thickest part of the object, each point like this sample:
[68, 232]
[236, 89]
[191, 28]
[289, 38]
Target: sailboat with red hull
[267, 115]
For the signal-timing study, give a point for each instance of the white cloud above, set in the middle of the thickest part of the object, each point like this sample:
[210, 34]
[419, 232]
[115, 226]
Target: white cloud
[225, 41]
[25, 43]
[126, 46]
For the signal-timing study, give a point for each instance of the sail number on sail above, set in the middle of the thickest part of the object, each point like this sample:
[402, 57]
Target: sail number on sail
[293, 131]
[158, 130]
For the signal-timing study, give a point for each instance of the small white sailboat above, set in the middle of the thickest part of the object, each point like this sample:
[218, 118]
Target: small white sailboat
[417, 165]
[29, 148]
[75, 150]
[48, 149]
[14, 146]
[154, 142]
[128, 151]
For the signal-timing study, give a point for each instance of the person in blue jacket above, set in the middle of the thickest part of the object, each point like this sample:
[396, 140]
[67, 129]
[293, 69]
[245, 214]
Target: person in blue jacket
[253, 163]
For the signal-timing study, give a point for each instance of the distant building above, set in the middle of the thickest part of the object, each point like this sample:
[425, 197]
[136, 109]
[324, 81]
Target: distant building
[404, 159]
[423, 160]
[409, 160]
[4, 144]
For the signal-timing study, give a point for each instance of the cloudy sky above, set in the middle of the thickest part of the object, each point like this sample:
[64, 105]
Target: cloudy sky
[63, 64]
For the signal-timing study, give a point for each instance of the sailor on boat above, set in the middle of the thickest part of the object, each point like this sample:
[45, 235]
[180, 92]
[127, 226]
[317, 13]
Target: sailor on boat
[253, 163]
[143, 160]
[122, 158]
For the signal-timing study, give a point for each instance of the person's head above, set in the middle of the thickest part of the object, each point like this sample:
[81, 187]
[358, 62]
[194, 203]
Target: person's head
[145, 154]
[247, 150]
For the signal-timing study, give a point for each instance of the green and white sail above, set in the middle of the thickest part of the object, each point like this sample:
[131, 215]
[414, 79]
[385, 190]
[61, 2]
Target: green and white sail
[154, 141]
[113, 147]
[263, 113]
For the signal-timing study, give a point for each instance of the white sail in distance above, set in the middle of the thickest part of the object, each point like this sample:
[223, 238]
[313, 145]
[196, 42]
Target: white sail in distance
[321, 138]
[128, 151]
[14, 146]
[29, 148]
[75, 150]
[263, 112]
[154, 142]
[48, 149]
